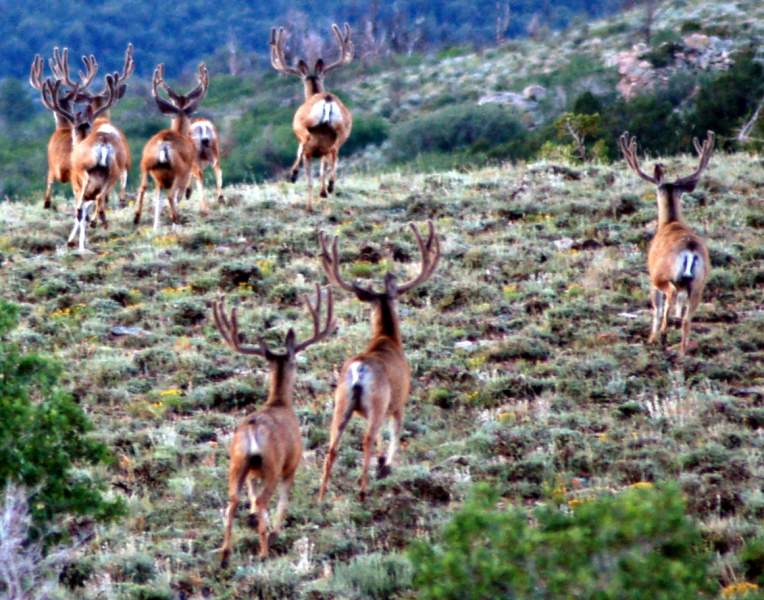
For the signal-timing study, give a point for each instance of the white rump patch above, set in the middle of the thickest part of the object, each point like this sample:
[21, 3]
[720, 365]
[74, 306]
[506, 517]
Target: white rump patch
[324, 112]
[164, 154]
[253, 448]
[102, 154]
[202, 130]
[687, 265]
[108, 128]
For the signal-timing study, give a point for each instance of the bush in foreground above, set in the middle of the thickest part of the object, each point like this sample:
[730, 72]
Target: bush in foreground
[636, 545]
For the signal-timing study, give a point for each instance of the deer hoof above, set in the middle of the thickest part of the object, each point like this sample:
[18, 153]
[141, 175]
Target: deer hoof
[293, 176]
[383, 471]
[224, 560]
[252, 520]
[331, 187]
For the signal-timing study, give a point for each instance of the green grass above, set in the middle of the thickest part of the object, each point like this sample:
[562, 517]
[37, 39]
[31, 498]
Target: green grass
[527, 348]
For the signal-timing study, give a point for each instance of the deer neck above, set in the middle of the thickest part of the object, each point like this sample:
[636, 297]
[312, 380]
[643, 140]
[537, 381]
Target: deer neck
[669, 209]
[61, 123]
[385, 321]
[313, 86]
[181, 124]
[280, 385]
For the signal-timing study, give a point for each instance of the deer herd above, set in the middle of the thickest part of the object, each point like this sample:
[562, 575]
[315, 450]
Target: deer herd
[92, 154]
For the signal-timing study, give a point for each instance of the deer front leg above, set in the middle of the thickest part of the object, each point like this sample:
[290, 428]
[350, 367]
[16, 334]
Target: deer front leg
[199, 176]
[123, 189]
[48, 203]
[157, 208]
[218, 180]
[342, 414]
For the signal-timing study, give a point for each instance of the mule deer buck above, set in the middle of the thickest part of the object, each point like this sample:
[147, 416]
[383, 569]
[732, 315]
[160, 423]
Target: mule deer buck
[60, 142]
[170, 155]
[267, 446]
[322, 123]
[375, 383]
[207, 144]
[95, 158]
[60, 67]
[677, 259]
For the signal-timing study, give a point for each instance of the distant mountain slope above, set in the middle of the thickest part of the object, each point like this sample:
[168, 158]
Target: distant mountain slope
[198, 28]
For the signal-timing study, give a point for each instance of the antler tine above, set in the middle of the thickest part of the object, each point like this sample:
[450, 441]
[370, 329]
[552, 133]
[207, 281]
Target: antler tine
[91, 68]
[315, 312]
[111, 95]
[36, 71]
[704, 155]
[129, 66]
[430, 252]
[628, 145]
[51, 100]
[229, 329]
[59, 66]
[278, 59]
[346, 47]
[331, 264]
[193, 98]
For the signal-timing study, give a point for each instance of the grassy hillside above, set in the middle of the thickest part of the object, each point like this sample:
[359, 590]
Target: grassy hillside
[398, 99]
[527, 346]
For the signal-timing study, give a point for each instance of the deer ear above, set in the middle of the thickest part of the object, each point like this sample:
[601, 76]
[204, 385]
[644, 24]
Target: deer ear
[658, 172]
[391, 286]
[120, 91]
[319, 68]
[168, 110]
[302, 66]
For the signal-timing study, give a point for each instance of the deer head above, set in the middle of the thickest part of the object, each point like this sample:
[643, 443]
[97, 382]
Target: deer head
[385, 320]
[82, 121]
[282, 364]
[668, 192]
[313, 78]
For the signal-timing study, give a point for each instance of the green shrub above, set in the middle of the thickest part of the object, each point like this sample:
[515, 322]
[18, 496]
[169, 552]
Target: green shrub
[464, 126]
[635, 545]
[43, 436]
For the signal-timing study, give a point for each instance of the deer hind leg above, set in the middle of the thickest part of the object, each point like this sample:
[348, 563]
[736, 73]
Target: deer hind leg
[295, 170]
[386, 463]
[669, 304]
[369, 439]
[252, 492]
[157, 207]
[261, 503]
[322, 172]
[139, 200]
[342, 414]
[237, 472]
[333, 174]
[309, 180]
[218, 180]
[658, 299]
[693, 300]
